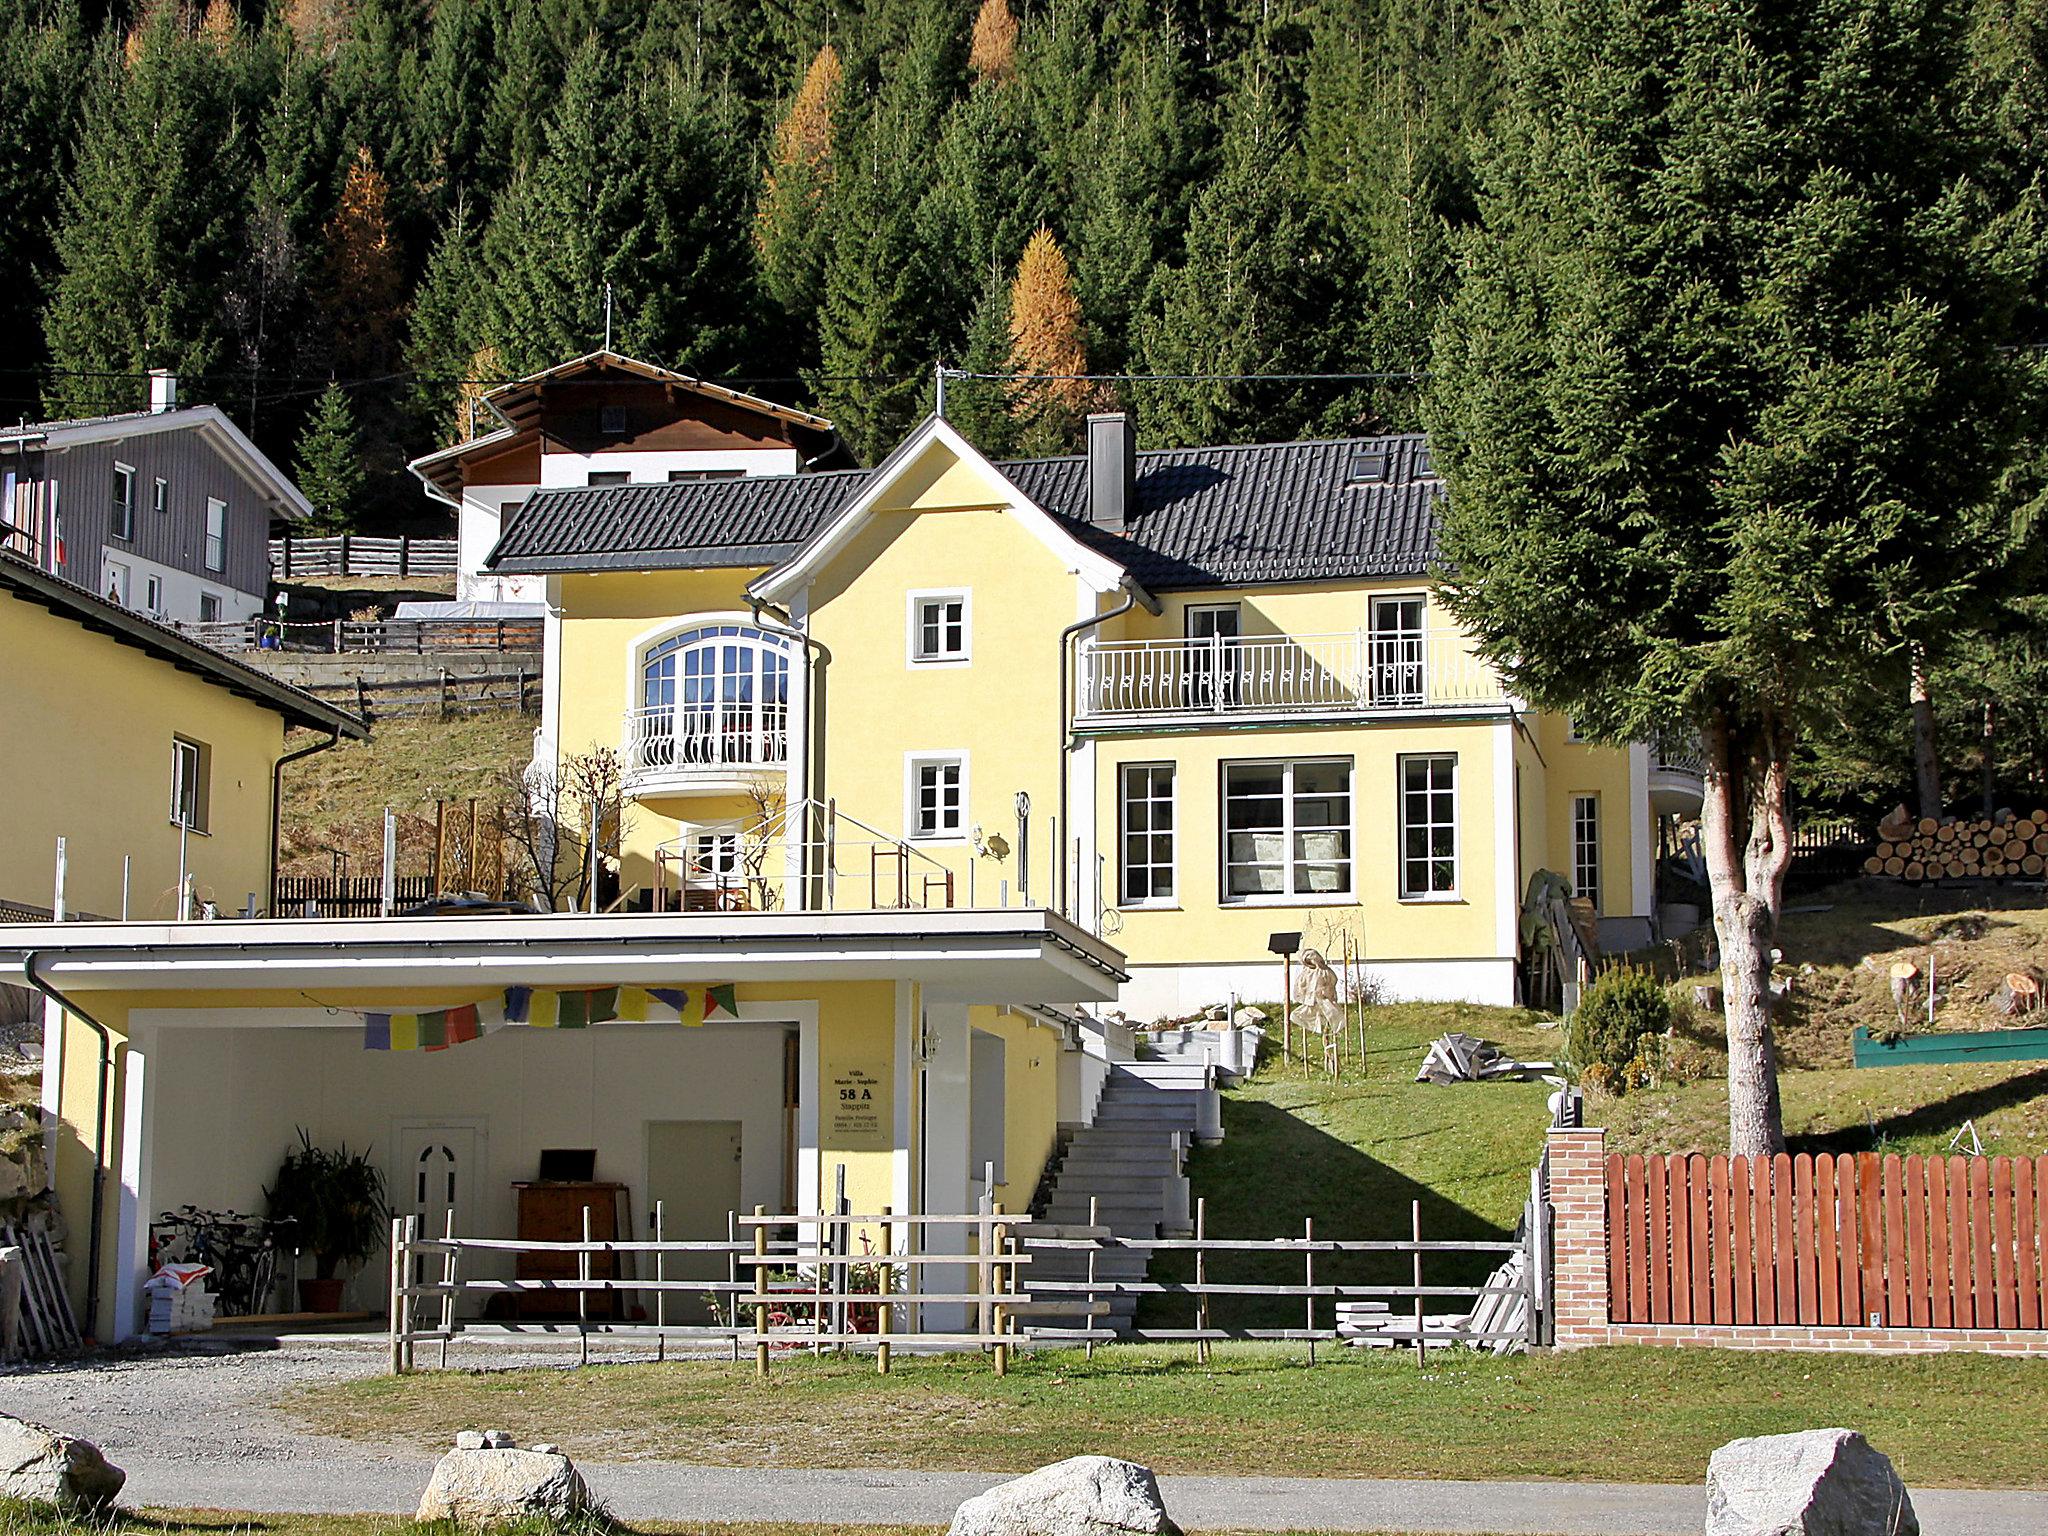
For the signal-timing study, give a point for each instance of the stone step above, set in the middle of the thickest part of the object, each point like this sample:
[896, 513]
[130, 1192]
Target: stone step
[1110, 1185]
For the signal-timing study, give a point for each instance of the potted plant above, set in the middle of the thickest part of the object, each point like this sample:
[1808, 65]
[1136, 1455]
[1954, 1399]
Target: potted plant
[334, 1203]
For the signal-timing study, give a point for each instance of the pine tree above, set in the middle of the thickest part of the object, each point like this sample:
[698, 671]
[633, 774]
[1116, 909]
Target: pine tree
[1047, 339]
[41, 59]
[148, 232]
[984, 200]
[1725, 377]
[980, 407]
[1243, 302]
[364, 294]
[442, 341]
[329, 465]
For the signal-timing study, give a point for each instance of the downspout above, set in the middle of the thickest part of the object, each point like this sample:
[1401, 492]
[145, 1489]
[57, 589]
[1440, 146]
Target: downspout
[782, 624]
[1059, 853]
[277, 801]
[94, 1245]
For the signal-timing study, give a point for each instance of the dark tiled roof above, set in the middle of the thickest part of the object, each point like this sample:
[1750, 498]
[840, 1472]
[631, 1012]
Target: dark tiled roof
[1204, 517]
[756, 520]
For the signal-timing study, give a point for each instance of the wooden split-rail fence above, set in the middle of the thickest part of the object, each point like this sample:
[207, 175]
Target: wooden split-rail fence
[361, 554]
[1856, 1241]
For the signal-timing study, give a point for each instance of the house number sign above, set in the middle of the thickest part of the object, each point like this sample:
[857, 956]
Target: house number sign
[857, 1114]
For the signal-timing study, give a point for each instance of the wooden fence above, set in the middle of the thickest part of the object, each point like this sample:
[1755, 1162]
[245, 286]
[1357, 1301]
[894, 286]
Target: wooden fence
[1823, 1242]
[347, 895]
[1824, 852]
[790, 1282]
[334, 637]
[357, 554]
[445, 694]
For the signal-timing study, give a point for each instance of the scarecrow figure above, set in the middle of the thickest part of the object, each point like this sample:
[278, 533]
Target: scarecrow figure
[1318, 1009]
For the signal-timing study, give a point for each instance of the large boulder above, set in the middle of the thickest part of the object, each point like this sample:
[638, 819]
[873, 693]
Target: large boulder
[43, 1467]
[499, 1485]
[1819, 1482]
[1081, 1496]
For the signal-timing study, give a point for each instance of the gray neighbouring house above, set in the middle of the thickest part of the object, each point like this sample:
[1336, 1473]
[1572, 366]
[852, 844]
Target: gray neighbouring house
[167, 511]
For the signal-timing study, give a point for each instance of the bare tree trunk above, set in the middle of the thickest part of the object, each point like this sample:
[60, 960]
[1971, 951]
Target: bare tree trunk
[1926, 766]
[1746, 827]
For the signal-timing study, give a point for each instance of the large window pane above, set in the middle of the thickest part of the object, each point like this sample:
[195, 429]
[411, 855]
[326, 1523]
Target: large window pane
[1287, 828]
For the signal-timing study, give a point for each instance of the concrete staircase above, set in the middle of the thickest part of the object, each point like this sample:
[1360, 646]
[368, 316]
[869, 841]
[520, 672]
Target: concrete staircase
[1127, 1166]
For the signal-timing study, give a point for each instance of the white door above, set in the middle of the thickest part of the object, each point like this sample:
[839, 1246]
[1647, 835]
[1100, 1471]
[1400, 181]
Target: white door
[435, 1179]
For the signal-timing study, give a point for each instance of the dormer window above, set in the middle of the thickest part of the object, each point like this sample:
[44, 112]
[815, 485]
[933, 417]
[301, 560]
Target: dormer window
[1368, 467]
[1425, 465]
[611, 420]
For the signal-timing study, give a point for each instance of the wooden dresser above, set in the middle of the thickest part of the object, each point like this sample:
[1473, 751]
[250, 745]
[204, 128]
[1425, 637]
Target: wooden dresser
[552, 1212]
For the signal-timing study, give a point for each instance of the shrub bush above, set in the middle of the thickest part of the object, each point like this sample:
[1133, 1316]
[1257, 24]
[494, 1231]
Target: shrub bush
[1620, 1016]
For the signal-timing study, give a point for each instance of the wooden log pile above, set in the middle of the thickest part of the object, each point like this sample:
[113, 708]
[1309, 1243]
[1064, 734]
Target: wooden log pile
[2007, 846]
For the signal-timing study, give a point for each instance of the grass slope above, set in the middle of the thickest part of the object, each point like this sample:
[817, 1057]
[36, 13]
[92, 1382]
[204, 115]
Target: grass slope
[1629, 1415]
[1841, 958]
[336, 799]
[1355, 1154]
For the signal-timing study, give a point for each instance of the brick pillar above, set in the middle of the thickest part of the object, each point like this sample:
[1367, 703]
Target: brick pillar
[1578, 1198]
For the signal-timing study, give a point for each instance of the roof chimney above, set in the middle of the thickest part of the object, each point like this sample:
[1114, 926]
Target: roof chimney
[1112, 470]
[163, 391]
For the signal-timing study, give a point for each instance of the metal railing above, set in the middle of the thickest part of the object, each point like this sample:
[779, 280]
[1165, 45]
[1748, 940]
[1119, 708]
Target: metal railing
[796, 858]
[1355, 672]
[676, 738]
[1679, 752]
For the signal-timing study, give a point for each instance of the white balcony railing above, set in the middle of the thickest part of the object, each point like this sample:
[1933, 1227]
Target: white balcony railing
[1358, 672]
[701, 740]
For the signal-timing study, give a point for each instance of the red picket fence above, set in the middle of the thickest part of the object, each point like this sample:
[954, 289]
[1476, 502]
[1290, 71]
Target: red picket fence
[1850, 1242]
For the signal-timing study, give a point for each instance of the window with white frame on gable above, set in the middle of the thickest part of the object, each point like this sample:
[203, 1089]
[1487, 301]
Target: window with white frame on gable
[1586, 848]
[216, 534]
[936, 788]
[939, 627]
[121, 525]
[1429, 825]
[1148, 834]
[1287, 829]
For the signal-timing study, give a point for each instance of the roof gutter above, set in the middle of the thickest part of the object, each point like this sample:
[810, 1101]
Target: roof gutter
[95, 1244]
[1132, 593]
[816, 655]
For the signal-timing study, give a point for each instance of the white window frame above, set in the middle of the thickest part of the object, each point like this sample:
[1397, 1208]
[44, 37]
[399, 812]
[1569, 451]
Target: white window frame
[160, 496]
[218, 607]
[914, 764]
[1397, 656]
[119, 575]
[153, 595]
[1401, 825]
[121, 514]
[216, 558]
[913, 637]
[185, 752]
[1124, 866]
[1586, 848]
[1288, 896]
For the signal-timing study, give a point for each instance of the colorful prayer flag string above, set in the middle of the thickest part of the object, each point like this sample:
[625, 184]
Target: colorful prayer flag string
[573, 1008]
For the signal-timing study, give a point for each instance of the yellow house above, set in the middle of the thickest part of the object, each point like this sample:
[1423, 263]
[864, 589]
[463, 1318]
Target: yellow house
[150, 758]
[1193, 700]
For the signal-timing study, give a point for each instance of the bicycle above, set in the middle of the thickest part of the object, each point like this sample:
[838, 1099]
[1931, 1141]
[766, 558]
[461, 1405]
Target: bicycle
[241, 1250]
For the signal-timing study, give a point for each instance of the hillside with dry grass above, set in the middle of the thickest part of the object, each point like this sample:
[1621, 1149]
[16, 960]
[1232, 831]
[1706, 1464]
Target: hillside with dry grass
[1838, 949]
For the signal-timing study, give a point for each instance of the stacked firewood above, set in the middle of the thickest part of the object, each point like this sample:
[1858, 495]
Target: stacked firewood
[2006, 846]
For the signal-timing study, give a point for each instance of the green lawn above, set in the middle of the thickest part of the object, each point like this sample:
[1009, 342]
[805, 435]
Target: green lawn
[1355, 1154]
[1630, 1415]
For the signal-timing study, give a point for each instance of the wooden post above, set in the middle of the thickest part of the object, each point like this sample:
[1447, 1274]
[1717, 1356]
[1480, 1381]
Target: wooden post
[660, 1290]
[1094, 1247]
[448, 1287]
[396, 1299]
[412, 1236]
[999, 1236]
[1415, 1227]
[882, 1283]
[1286, 1008]
[760, 1296]
[1308, 1271]
[583, 1292]
[1202, 1279]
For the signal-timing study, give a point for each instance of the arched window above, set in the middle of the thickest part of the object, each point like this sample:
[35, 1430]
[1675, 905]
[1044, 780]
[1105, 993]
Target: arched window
[716, 694]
